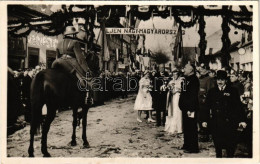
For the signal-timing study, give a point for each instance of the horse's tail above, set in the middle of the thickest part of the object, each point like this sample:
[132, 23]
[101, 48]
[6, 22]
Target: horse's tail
[37, 101]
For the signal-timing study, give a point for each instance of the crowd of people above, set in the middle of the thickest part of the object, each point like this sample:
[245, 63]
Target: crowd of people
[196, 100]
[189, 101]
[19, 82]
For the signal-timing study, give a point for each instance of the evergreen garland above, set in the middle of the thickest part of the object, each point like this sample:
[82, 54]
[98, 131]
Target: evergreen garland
[225, 39]
[58, 25]
[59, 19]
[203, 42]
[191, 23]
[242, 26]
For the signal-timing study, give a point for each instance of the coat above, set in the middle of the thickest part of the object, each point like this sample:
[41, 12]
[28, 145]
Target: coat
[159, 97]
[223, 113]
[239, 86]
[189, 94]
[202, 94]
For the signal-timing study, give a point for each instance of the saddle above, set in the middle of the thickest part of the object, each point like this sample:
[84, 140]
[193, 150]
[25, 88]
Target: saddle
[70, 65]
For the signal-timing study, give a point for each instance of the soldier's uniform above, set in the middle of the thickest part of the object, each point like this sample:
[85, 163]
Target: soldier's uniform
[71, 58]
[202, 96]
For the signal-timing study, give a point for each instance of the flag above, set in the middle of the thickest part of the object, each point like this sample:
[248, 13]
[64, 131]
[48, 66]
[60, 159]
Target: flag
[177, 50]
[137, 22]
[106, 50]
[138, 58]
[146, 61]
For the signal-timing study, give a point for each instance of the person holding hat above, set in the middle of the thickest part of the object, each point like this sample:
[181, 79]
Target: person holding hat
[70, 56]
[143, 100]
[223, 115]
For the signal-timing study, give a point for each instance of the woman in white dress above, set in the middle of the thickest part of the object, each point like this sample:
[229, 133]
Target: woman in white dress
[143, 100]
[174, 119]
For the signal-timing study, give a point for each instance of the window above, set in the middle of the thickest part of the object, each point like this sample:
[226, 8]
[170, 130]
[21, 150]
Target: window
[50, 57]
[33, 54]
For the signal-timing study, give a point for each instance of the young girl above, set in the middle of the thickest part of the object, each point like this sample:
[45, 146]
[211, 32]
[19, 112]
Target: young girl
[143, 100]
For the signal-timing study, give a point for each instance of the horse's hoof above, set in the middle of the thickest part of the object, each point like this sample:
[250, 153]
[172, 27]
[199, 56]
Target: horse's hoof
[86, 146]
[46, 155]
[31, 155]
[73, 143]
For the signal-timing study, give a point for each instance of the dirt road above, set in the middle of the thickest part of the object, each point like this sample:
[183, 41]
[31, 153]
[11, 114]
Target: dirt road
[112, 131]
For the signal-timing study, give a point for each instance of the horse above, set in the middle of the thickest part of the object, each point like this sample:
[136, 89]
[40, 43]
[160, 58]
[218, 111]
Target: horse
[57, 89]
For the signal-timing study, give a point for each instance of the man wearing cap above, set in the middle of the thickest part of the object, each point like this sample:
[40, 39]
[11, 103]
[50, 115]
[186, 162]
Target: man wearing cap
[224, 115]
[70, 55]
[202, 95]
[189, 105]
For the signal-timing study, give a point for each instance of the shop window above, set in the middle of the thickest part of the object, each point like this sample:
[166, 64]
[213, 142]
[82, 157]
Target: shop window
[16, 53]
[50, 57]
[33, 54]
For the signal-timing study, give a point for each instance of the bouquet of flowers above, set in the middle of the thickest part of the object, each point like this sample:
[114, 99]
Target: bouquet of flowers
[149, 88]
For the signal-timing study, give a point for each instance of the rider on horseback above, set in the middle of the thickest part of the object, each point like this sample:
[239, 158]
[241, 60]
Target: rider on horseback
[71, 55]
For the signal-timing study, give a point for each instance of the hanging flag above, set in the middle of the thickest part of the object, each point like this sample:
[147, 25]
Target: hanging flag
[177, 50]
[138, 58]
[196, 55]
[146, 61]
[170, 8]
[106, 56]
[117, 54]
[127, 9]
[141, 60]
[106, 50]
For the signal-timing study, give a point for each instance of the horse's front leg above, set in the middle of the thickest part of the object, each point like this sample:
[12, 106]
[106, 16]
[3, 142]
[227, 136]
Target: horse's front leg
[74, 124]
[84, 126]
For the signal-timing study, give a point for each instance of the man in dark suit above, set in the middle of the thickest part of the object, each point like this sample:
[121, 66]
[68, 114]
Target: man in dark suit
[159, 95]
[224, 115]
[189, 105]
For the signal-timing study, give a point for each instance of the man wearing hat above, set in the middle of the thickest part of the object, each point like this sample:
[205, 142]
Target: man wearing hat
[224, 115]
[70, 54]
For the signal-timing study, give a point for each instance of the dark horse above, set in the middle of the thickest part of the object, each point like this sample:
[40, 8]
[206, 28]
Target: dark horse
[57, 89]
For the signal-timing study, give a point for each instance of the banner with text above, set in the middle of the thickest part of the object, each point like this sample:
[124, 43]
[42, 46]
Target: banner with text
[130, 31]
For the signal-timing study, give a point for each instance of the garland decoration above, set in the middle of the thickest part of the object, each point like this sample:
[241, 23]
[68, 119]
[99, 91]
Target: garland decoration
[191, 23]
[142, 15]
[242, 26]
[238, 19]
[225, 55]
[59, 20]
[203, 42]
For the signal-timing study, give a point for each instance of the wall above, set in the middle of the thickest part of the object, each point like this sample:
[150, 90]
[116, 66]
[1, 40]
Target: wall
[38, 40]
[245, 61]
